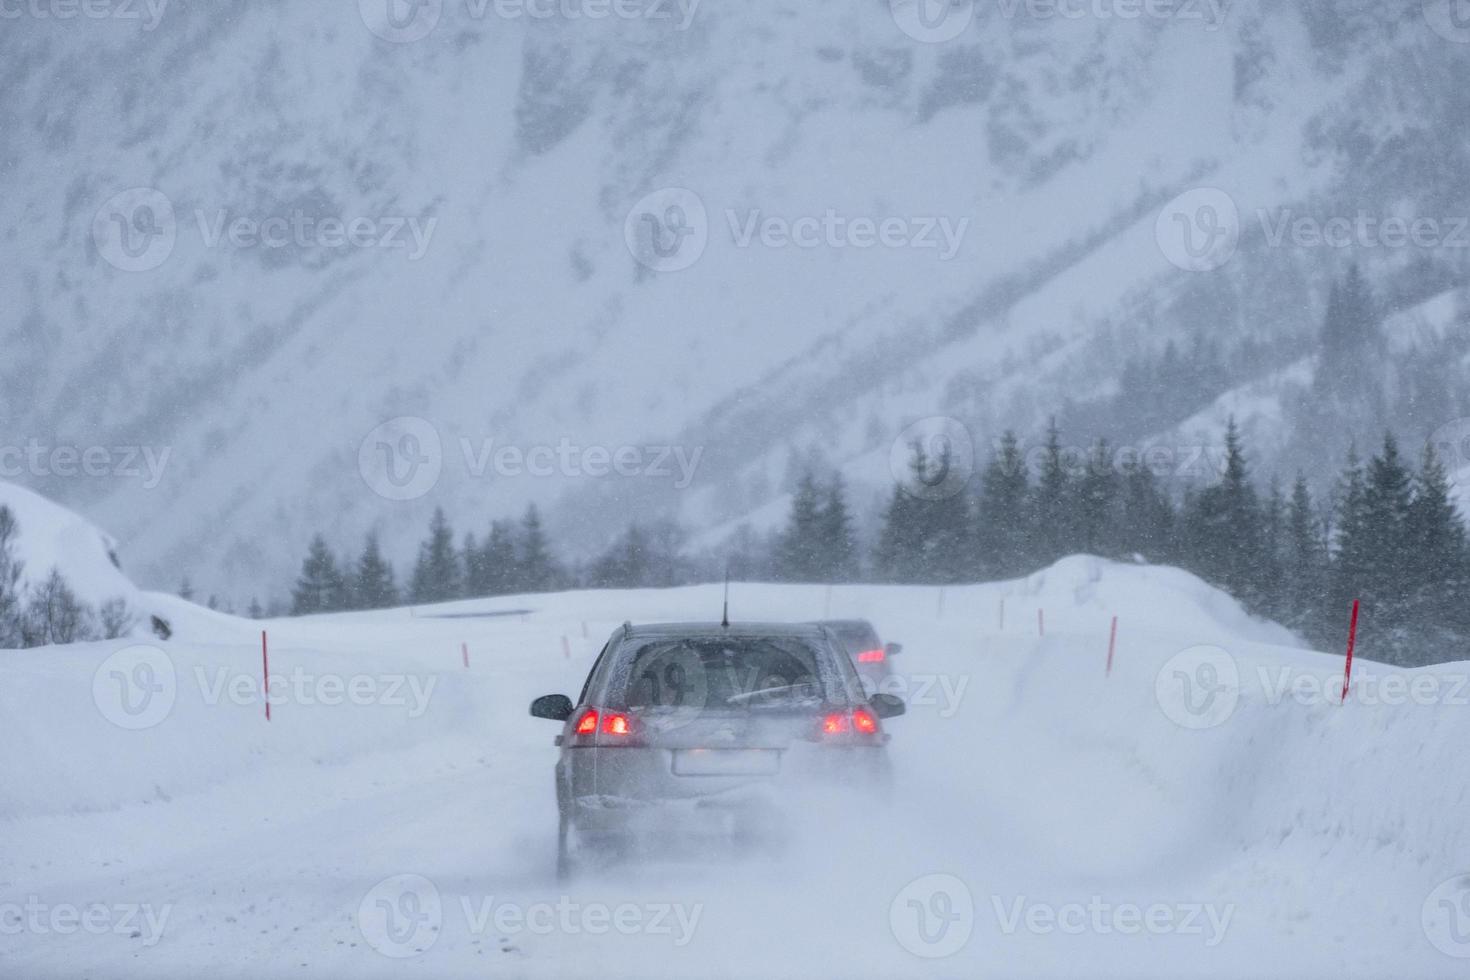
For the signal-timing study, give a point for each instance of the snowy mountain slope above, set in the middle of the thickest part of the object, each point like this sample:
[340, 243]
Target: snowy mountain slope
[501, 158]
[1302, 837]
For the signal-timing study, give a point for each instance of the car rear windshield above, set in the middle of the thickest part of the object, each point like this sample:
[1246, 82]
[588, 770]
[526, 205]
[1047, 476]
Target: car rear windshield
[857, 638]
[735, 673]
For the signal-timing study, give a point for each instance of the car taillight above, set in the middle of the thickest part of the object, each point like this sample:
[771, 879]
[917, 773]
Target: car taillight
[859, 721]
[600, 727]
[872, 656]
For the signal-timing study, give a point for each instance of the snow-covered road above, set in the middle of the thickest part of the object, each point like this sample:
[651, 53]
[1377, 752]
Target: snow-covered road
[1205, 811]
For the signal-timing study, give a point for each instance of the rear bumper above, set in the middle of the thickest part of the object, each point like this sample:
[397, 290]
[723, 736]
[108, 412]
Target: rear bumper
[618, 791]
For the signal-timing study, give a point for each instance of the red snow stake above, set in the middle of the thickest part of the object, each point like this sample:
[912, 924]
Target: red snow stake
[265, 667]
[1347, 675]
[566, 647]
[464, 652]
[1041, 622]
[1112, 645]
[1002, 614]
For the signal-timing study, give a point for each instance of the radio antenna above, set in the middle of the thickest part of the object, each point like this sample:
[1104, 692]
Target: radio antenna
[725, 616]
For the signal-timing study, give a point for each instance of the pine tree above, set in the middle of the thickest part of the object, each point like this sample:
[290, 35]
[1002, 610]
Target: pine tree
[1270, 581]
[539, 571]
[437, 576]
[1051, 524]
[1437, 572]
[1095, 510]
[476, 573]
[373, 585]
[319, 587]
[1002, 539]
[1304, 561]
[1387, 495]
[1147, 522]
[838, 540]
[800, 558]
[498, 560]
[1222, 528]
[186, 590]
[11, 567]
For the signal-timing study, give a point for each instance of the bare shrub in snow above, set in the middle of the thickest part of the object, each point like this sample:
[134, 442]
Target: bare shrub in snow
[54, 615]
[10, 592]
[115, 618]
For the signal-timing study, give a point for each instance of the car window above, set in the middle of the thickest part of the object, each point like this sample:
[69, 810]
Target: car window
[720, 673]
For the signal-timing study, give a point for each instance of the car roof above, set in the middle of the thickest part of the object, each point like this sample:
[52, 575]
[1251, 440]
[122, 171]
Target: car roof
[805, 631]
[845, 624]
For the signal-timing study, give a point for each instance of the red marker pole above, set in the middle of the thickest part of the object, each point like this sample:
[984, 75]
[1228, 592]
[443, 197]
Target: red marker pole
[464, 652]
[265, 667]
[566, 647]
[1347, 676]
[1041, 622]
[1002, 614]
[1112, 645]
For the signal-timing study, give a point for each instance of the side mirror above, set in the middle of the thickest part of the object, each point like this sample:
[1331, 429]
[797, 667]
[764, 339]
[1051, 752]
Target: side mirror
[887, 705]
[893, 649]
[554, 707]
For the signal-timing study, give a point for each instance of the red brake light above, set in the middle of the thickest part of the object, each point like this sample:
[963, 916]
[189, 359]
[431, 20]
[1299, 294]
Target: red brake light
[615, 724]
[587, 724]
[872, 656]
[864, 723]
[834, 724]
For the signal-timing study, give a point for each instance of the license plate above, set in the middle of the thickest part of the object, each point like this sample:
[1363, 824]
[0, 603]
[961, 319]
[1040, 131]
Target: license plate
[726, 762]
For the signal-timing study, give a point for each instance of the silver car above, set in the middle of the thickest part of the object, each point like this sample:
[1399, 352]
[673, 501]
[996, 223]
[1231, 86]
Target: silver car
[698, 728]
